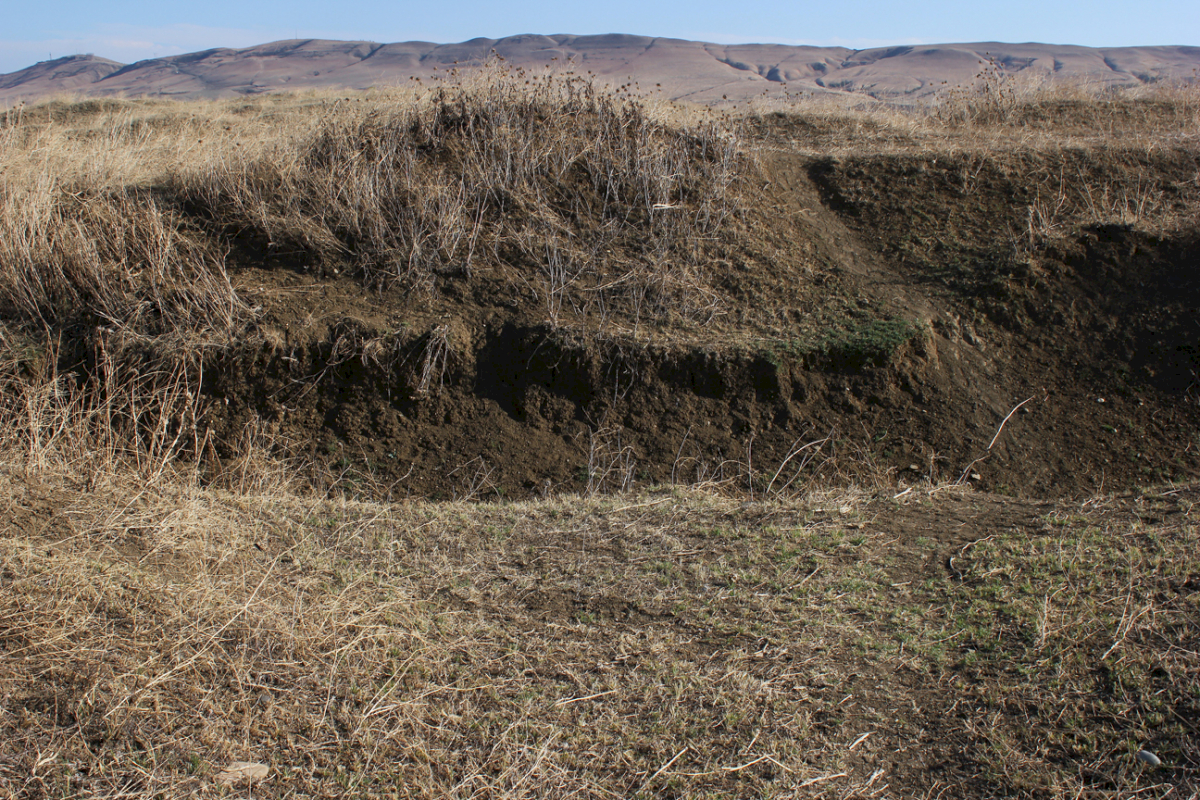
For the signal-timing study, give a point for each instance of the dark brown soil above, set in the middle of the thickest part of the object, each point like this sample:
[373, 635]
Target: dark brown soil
[890, 305]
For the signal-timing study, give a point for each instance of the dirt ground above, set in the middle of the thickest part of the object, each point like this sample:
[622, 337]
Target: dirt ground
[944, 642]
[915, 313]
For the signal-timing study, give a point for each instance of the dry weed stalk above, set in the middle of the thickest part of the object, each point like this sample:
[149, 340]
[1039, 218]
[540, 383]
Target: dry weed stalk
[438, 354]
[475, 480]
[611, 461]
[132, 415]
[151, 300]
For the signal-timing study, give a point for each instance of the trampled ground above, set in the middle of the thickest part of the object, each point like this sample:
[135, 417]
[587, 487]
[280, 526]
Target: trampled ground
[532, 441]
[669, 644]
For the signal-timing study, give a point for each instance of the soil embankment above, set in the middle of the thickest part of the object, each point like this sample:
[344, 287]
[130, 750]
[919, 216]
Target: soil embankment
[899, 307]
[529, 284]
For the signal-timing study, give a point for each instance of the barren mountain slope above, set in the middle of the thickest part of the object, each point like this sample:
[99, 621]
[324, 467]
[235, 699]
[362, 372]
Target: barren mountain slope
[697, 71]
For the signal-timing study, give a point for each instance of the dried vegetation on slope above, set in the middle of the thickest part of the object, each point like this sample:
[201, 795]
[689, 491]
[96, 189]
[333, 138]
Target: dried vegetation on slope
[221, 322]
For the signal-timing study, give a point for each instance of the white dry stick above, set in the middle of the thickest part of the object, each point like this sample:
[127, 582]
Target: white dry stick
[758, 760]
[860, 740]
[661, 770]
[1016, 408]
[570, 700]
[823, 778]
[1123, 628]
[792, 454]
[967, 472]
[738, 768]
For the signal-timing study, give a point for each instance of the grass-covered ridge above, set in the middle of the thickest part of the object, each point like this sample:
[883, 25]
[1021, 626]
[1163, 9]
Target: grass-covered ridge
[120, 220]
[585, 196]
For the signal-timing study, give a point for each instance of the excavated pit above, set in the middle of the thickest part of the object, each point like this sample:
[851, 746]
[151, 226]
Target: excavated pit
[1099, 353]
[826, 301]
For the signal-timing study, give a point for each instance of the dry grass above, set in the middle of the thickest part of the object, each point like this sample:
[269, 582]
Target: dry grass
[755, 637]
[998, 114]
[604, 207]
[579, 194]
[675, 643]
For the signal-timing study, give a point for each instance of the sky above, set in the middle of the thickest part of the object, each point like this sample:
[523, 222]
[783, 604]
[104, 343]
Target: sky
[132, 30]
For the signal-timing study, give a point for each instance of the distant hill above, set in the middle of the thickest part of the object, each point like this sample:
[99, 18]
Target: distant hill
[696, 71]
[70, 74]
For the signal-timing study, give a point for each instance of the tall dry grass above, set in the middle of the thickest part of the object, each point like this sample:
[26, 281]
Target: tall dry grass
[998, 112]
[109, 299]
[581, 194]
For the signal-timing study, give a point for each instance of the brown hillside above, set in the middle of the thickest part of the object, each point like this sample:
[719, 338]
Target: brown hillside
[677, 69]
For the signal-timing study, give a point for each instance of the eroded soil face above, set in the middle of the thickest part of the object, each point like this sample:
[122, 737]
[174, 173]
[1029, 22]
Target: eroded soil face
[928, 315]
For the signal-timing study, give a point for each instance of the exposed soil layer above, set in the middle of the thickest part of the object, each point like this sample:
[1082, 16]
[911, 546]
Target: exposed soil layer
[896, 309]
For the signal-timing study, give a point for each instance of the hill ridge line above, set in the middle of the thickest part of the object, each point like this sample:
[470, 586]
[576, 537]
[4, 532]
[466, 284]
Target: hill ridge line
[678, 67]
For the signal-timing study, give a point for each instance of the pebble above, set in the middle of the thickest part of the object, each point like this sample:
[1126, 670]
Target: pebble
[243, 772]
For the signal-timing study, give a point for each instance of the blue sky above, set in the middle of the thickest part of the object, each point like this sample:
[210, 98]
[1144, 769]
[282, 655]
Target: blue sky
[130, 30]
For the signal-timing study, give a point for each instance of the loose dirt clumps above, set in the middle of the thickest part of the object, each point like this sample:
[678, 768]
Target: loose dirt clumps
[878, 306]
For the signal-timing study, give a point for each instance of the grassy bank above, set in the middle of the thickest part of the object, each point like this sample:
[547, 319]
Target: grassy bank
[229, 331]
